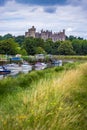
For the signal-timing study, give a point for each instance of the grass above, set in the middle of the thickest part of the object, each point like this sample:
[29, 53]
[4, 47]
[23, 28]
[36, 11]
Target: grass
[56, 100]
[70, 57]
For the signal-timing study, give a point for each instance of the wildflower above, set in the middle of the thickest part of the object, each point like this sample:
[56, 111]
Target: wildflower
[22, 117]
[60, 108]
[79, 106]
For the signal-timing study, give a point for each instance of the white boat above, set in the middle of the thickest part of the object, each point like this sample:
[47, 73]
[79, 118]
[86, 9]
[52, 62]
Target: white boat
[57, 63]
[26, 68]
[40, 66]
[15, 68]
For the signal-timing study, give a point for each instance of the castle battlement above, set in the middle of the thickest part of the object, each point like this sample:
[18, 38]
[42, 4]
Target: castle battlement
[56, 36]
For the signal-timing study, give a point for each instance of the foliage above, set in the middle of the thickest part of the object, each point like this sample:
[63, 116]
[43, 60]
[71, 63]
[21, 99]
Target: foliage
[48, 46]
[8, 46]
[71, 38]
[66, 48]
[30, 59]
[60, 68]
[40, 50]
[77, 46]
[7, 36]
[19, 39]
[84, 47]
[22, 51]
[0, 37]
[55, 47]
[31, 46]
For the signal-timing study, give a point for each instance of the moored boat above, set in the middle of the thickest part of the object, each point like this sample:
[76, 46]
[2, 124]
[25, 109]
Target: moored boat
[40, 66]
[4, 71]
[26, 67]
[14, 68]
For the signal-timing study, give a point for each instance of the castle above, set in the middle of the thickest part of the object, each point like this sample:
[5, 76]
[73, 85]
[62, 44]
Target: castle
[59, 36]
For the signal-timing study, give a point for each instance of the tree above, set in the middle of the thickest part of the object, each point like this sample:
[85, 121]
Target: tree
[71, 38]
[29, 45]
[39, 42]
[84, 47]
[20, 39]
[0, 37]
[48, 46]
[7, 36]
[8, 46]
[66, 48]
[55, 46]
[40, 50]
[77, 46]
[23, 52]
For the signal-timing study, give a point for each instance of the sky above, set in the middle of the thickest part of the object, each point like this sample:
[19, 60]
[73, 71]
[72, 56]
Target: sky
[17, 16]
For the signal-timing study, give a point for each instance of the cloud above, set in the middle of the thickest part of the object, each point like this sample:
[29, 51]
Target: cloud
[19, 17]
[81, 3]
[50, 9]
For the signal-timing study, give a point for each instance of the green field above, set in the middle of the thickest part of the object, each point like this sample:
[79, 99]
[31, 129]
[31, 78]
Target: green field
[52, 99]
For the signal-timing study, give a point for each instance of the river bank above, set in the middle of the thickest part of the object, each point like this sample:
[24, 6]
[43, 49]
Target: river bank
[51, 99]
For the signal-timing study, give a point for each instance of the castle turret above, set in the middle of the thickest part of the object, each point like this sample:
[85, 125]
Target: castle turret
[31, 32]
[64, 31]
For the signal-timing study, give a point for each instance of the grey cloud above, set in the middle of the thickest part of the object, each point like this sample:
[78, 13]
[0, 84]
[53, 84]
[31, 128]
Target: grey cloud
[82, 3]
[50, 9]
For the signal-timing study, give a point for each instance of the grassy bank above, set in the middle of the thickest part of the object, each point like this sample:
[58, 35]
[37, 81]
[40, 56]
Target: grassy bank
[71, 57]
[53, 99]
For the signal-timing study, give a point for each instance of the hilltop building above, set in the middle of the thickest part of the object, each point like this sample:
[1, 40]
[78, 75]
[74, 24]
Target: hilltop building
[59, 36]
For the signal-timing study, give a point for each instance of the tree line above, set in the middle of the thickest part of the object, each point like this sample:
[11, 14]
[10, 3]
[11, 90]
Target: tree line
[12, 45]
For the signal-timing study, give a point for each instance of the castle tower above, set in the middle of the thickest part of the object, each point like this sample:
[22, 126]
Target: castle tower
[64, 31]
[31, 32]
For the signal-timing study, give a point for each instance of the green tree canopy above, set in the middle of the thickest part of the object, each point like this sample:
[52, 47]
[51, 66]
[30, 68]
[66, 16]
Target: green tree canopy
[29, 46]
[77, 46]
[7, 36]
[20, 39]
[40, 50]
[66, 48]
[8, 46]
[55, 46]
[48, 46]
[84, 47]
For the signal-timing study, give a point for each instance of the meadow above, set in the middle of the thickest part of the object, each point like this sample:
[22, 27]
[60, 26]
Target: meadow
[51, 99]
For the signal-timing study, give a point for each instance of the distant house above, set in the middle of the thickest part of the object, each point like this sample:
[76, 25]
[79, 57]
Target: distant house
[18, 55]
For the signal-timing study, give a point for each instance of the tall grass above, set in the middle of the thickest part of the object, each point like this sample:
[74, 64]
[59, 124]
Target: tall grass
[55, 102]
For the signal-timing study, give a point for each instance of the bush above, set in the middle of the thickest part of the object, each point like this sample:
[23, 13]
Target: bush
[59, 68]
